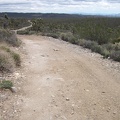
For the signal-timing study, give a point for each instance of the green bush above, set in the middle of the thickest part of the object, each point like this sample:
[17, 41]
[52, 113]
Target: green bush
[96, 48]
[117, 46]
[116, 40]
[67, 37]
[105, 53]
[89, 44]
[6, 84]
[115, 55]
[81, 42]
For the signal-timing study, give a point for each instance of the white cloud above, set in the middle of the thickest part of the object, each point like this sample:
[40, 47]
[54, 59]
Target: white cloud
[61, 6]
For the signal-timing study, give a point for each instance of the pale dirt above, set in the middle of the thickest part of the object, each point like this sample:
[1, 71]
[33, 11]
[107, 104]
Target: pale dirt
[66, 82]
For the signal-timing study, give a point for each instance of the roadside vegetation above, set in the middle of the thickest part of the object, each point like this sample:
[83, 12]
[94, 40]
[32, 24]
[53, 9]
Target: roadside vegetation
[100, 34]
[6, 84]
[9, 58]
[13, 23]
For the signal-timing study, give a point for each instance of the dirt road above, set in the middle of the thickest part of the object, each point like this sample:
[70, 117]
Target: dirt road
[66, 82]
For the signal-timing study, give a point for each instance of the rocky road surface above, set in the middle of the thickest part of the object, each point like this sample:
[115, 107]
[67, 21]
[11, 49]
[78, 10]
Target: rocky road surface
[66, 82]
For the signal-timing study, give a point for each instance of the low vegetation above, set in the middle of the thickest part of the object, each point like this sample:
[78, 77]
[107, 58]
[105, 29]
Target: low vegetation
[6, 84]
[100, 34]
[9, 37]
[13, 23]
[9, 59]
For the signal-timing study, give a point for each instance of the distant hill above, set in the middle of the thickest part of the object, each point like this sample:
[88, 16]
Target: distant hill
[44, 15]
[51, 15]
[118, 15]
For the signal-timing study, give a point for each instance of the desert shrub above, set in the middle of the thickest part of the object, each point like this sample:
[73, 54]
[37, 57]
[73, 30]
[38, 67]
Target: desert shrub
[109, 46]
[105, 53]
[117, 46]
[6, 84]
[64, 37]
[17, 23]
[54, 35]
[73, 40]
[8, 59]
[22, 32]
[9, 37]
[6, 62]
[112, 47]
[89, 44]
[96, 48]
[16, 58]
[26, 32]
[115, 55]
[81, 42]
[5, 48]
[67, 37]
[117, 40]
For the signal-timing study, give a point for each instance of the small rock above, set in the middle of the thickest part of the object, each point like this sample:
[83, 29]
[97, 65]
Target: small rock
[15, 111]
[87, 90]
[14, 89]
[67, 99]
[72, 113]
[63, 117]
[56, 116]
[17, 75]
[43, 55]
[73, 105]
[52, 96]
[114, 113]
[103, 92]
[55, 50]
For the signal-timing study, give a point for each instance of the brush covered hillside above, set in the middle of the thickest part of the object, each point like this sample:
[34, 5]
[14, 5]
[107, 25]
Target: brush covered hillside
[8, 42]
[9, 59]
[43, 15]
[100, 34]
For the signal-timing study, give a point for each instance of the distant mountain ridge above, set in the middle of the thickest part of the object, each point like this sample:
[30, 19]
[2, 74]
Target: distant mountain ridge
[50, 15]
[40, 15]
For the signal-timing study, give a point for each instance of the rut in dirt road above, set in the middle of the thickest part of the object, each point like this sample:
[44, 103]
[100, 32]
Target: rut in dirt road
[63, 82]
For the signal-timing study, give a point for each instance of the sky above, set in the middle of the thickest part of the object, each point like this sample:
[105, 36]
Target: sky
[61, 6]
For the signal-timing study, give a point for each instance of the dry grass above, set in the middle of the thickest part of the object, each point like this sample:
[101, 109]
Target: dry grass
[8, 59]
[6, 62]
[9, 37]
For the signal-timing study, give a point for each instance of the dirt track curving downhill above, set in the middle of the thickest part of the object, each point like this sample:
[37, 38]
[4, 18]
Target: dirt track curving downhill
[66, 82]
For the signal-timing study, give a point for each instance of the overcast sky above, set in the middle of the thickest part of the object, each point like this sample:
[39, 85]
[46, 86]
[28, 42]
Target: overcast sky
[61, 6]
